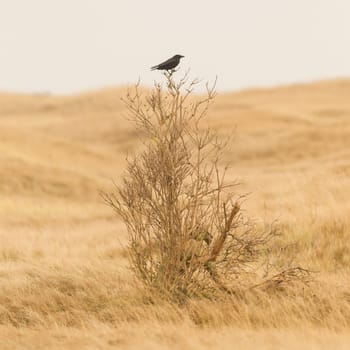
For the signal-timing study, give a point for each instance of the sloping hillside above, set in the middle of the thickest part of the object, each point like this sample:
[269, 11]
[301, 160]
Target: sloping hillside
[63, 281]
[69, 148]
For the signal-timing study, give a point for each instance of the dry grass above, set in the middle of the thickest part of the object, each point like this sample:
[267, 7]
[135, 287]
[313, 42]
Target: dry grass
[64, 279]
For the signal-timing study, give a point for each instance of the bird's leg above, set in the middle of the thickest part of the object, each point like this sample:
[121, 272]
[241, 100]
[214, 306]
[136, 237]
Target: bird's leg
[171, 72]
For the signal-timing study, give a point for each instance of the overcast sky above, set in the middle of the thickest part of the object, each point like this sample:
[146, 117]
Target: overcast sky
[65, 46]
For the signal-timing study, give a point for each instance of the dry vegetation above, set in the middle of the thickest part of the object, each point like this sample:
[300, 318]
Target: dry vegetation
[64, 277]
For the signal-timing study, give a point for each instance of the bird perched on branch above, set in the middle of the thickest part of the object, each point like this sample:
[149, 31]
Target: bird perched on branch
[169, 64]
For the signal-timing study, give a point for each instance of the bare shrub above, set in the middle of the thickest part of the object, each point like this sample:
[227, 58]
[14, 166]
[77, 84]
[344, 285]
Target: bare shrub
[187, 234]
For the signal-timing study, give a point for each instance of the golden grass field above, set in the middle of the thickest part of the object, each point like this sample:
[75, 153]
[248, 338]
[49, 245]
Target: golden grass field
[64, 278]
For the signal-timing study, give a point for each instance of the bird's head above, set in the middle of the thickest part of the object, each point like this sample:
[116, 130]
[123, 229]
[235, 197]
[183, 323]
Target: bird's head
[178, 56]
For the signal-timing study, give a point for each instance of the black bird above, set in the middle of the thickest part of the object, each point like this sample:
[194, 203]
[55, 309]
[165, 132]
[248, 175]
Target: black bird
[169, 64]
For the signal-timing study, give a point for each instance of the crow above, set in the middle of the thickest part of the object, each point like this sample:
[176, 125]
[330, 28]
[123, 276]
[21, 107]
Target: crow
[169, 64]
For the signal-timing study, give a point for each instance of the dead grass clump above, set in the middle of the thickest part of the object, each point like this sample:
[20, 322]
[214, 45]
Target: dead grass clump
[187, 234]
[297, 307]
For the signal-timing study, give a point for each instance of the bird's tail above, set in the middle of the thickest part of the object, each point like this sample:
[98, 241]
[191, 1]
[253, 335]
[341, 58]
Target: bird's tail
[154, 67]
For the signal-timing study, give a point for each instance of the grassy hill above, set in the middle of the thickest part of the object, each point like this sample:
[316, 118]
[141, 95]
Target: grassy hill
[63, 276]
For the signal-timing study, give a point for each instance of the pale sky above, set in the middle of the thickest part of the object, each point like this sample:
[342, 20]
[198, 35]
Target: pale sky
[64, 46]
